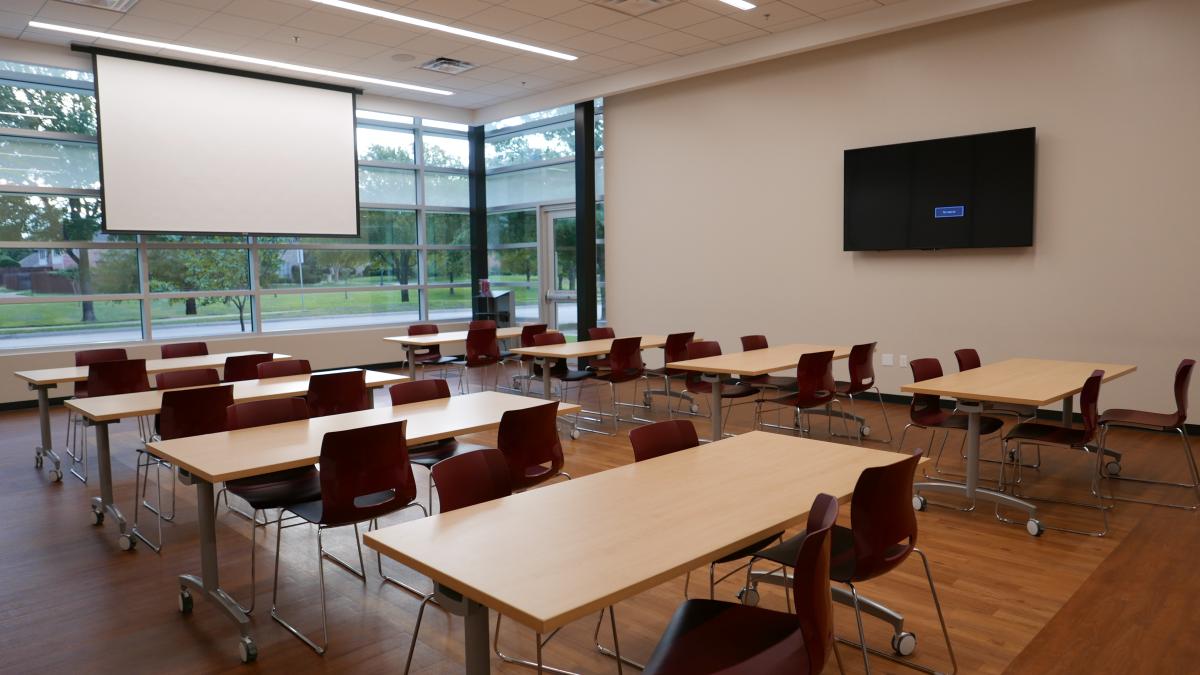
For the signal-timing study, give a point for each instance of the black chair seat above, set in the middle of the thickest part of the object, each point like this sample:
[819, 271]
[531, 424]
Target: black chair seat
[280, 489]
[944, 419]
[841, 553]
[1140, 418]
[619, 376]
[771, 382]
[708, 636]
[747, 551]
[1036, 432]
[431, 453]
[314, 511]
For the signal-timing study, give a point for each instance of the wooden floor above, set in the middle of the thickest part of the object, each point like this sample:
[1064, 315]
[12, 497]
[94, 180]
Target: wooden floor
[71, 601]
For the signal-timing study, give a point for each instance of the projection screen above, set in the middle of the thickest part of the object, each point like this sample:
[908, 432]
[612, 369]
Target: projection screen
[183, 149]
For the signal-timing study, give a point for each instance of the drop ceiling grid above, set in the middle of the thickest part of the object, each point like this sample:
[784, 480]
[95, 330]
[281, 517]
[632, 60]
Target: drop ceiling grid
[606, 40]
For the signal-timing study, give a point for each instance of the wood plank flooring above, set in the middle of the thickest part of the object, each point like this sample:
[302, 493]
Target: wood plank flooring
[71, 601]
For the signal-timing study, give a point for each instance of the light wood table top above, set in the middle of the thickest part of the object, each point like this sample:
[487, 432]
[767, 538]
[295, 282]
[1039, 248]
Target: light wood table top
[258, 450]
[120, 406]
[549, 556]
[758, 361]
[1034, 382]
[572, 350]
[452, 336]
[52, 376]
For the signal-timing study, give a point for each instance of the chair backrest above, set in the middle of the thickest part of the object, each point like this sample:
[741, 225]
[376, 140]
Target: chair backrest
[700, 349]
[601, 333]
[481, 323]
[482, 346]
[862, 367]
[262, 413]
[676, 350]
[471, 478]
[426, 329]
[968, 359]
[365, 473]
[814, 377]
[528, 438]
[284, 368]
[196, 377]
[752, 342]
[528, 331]
[1089, 398]
[191, 412]
[415, 391]
[625, 355]
[882, 520]
[560, 365]
[812, 642]
[337, 393]
[1183, 379]
[108, 378]
[662, 438]
[245, 367]
[924, 369]
[89, 356]
[181, 349]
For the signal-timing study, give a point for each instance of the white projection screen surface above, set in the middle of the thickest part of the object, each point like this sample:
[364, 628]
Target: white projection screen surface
[189, 150]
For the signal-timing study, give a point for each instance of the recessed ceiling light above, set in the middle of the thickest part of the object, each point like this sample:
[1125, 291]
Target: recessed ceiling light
[740, 4]
[432, 25]
[154, 44]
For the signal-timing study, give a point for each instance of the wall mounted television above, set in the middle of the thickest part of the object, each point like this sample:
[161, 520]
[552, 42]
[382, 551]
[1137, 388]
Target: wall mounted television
[963, 192]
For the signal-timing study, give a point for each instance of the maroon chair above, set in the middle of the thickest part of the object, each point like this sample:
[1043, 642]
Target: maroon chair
[624, 365]
[565, 375]
[1165, 422]
[284, 368]
[431, 356]
[710, 636]
[925, 411]
[77, 444]
[338, 392]
[89, 356]
[182, 413]
[364, 475]
[429, 454]
[245, 367]
[600, 333]
[182, 349]
[479, 324]
[882, 534]
[529, 440]
[862, 380]
[968, 359]
[528, 333]
[106, 378]
[178, 379]
[664, 438]
[483, 351]
[675, 349]
[815, 388]
[1057, 435]
[694, 382]
[278, 490]
[776, 382]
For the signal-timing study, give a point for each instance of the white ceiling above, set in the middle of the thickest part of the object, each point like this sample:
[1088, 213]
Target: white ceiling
[610, 37]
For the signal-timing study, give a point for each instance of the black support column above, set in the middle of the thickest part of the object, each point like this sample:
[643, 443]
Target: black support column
[478, 204]
[585, 215]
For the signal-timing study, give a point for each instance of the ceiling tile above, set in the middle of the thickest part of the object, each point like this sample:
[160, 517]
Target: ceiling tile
[501, 19]
[169, 11]
[634, 30]
[308, 39]
[820, 7]
[448, 9]
[86, 16]
[594, 63]
[546, 31]
[785, 26]
[491, 74]
[544, 8]
[356, 48]
[590, 17]
[273, 50]
[29, 7]
[211, 5]
[227, 23]
[592, 43]
[263, 10]
[388, 35]
[13, 20]
[742, 37]
[718, 28]
[439, 43]
[326, 22]
[478, 55]
[634, 53]
[849, 9]
[216, 40]
[525, 64]
[771, 13]
[680, 15]
[140, 26]
[674, 41]
[324, 59]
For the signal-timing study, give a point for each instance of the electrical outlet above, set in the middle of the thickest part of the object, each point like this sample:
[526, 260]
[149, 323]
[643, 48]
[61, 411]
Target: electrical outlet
[888, 360]
[904, 360]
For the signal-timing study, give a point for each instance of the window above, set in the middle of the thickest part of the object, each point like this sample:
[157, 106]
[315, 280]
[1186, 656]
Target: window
[65, 282]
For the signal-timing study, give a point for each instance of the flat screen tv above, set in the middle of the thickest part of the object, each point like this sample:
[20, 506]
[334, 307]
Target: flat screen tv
[963, 192]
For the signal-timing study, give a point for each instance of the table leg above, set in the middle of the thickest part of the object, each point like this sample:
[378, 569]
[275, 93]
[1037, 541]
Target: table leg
[46, 449]
[1068, 416]
[208, 583]
[410, 352]
[714, 404]
[105, 502]
[547, 365]
[477, 654]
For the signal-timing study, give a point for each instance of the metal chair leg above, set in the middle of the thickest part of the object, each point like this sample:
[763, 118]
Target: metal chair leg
[412, 646]
[374, 525]
[539, 644]
[615, 652]
[1189, 458]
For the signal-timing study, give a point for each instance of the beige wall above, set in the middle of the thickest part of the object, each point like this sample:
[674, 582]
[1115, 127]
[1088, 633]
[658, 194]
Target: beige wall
[724, 193]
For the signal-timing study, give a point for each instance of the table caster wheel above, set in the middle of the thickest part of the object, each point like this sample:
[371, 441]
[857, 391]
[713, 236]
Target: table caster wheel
[1034, 527]
[864, 430]
[247, 650]
[904, 643]
[919, 503]
[185, 601]
[126, 542]
[97, 517]
[748, 597]
[56, 475]
[38, 461]
[695, 408]
[1113, 468]
[574, 434]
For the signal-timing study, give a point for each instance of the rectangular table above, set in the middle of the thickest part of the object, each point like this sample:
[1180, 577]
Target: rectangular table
[414, 342]
[605, 537]
[548, 355]
[101, 411]
[45, 379]
[750, 363]
[1026, 382]
[215, 458]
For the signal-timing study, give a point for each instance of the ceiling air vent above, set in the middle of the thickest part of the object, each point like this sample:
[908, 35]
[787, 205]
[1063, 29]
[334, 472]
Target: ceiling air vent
[448, 66]
[114, 5]
[634, 7]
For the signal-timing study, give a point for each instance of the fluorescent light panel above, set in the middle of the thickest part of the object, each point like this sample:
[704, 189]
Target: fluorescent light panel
[432, 25]
[740, 4]
[196, 51]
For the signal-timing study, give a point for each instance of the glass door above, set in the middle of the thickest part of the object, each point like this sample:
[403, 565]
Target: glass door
[560, 306]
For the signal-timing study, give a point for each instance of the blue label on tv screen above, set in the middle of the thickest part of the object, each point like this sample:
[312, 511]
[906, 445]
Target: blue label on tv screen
[949, 211]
